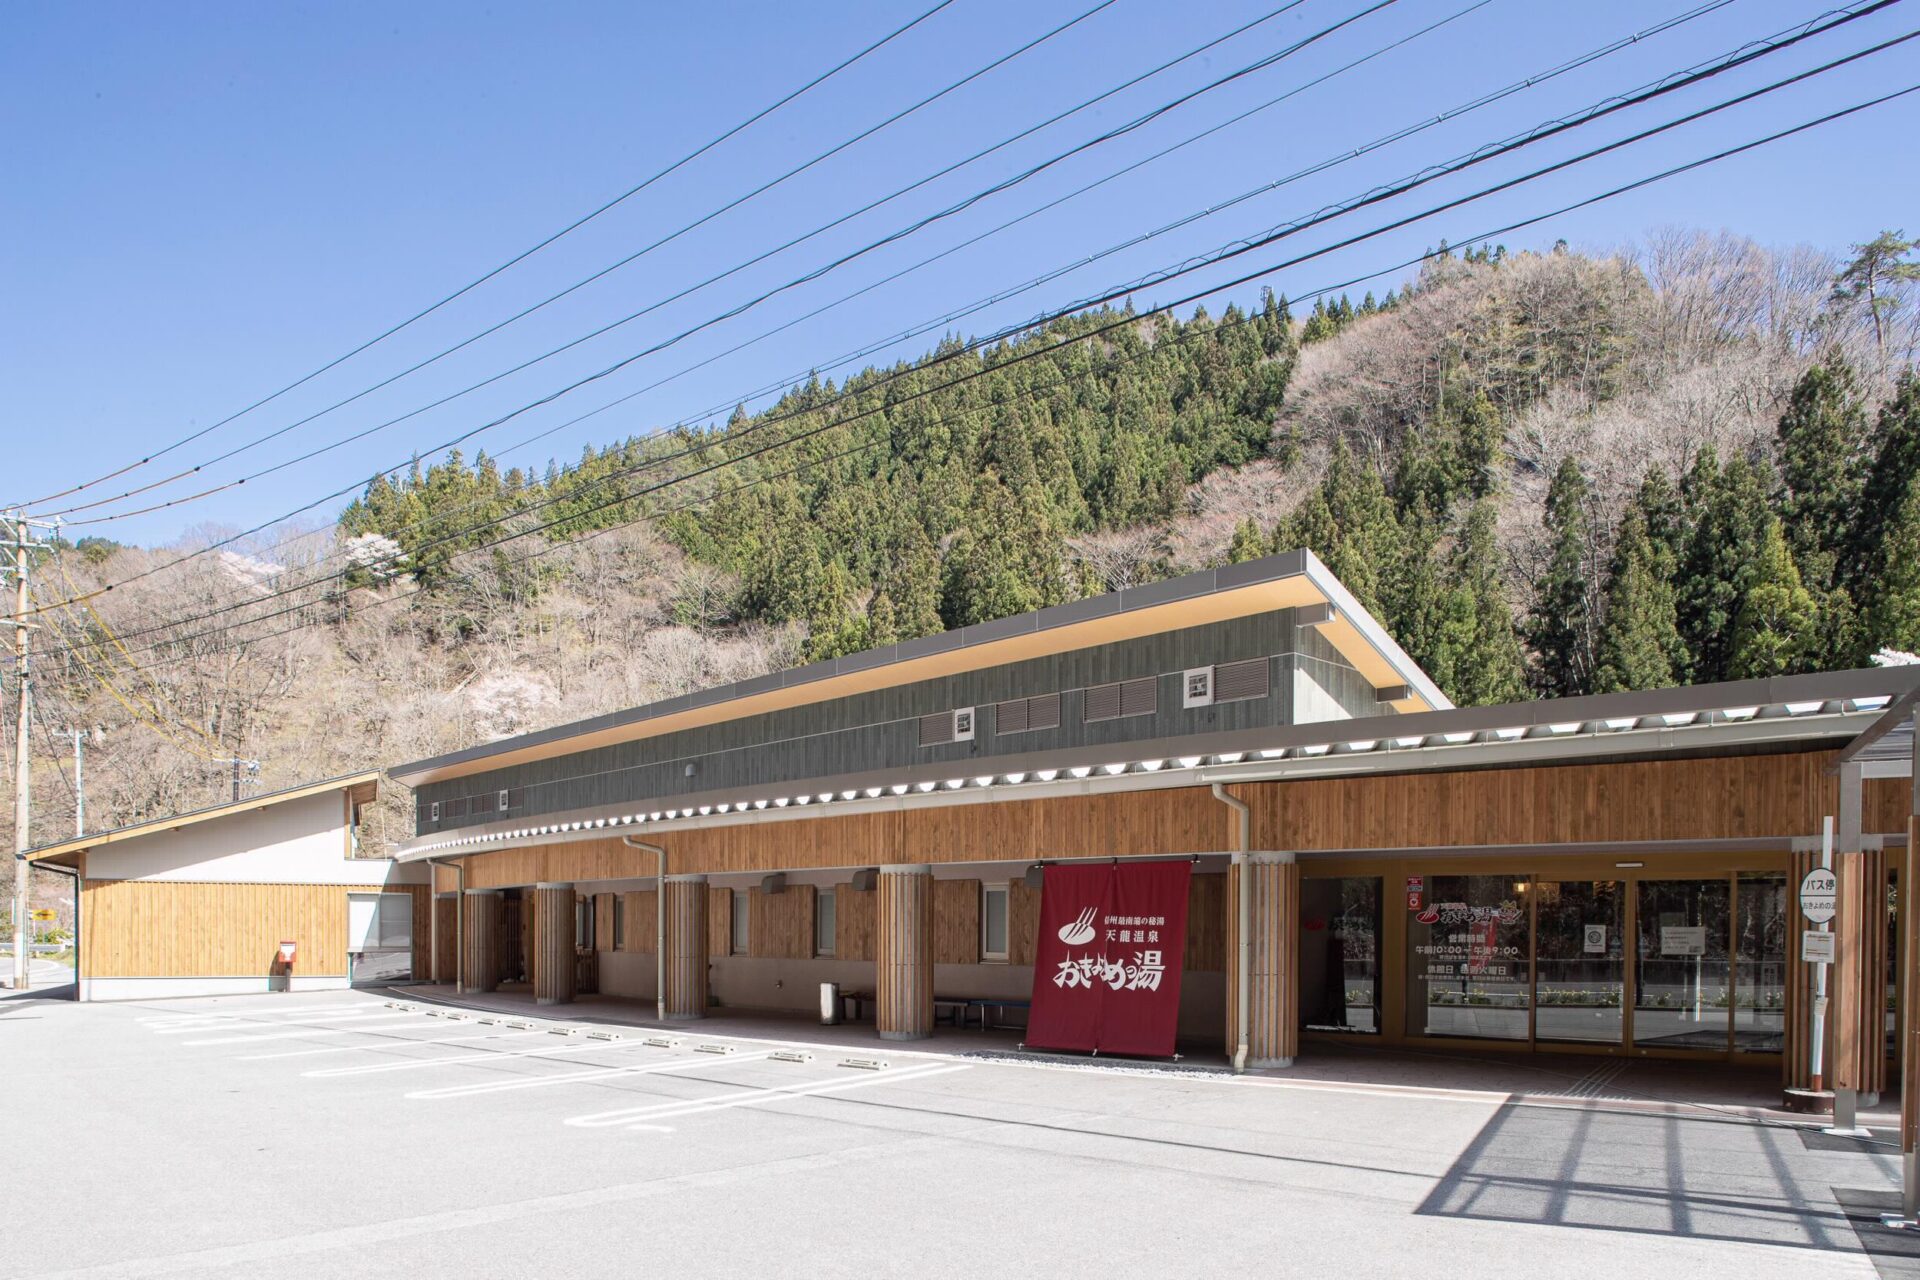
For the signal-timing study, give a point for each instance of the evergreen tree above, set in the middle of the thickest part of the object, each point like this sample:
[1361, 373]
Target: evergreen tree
[1727, 511]
[1640, 645]
[1563, 626]
[1350, 524]
[1775, 628]
[1478, 659]
[1895, 620]
[1875, 539]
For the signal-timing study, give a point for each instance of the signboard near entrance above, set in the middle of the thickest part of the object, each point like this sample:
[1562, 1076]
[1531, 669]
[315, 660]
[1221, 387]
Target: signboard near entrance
[1112, 937]
[1817, 892]
[1683, 940]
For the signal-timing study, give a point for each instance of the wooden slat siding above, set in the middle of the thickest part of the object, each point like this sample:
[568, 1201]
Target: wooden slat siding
[486, 921]
[510, 946]
[719, 922]
[956, 922]
[1726, 798]
[445, 879]
[1023, 923]
[422, 927]
[553, 955]
[1723, 798]
[642, 921]
[903, 972]
[1908, 1054]
[781, 924]
[603, 922]
[178, 929]
[689, 919]
[1206, 949]
[447, 914]
[1875, 958]
[853, 923]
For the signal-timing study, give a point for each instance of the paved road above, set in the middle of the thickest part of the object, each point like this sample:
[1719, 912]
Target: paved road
[43, 975]
[331, 1135]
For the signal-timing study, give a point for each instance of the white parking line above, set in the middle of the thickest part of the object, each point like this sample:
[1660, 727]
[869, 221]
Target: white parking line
[404, 1040]
[415, 1064]
[577, 1077]
[215, 1015]
[640, 1118]
[318, 1019]
[358, 1028]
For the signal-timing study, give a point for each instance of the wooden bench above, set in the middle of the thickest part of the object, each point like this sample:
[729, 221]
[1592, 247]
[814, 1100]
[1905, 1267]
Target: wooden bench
[853, 1004]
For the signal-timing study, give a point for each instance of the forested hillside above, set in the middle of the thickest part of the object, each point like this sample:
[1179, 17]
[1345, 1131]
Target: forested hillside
[1547, 473]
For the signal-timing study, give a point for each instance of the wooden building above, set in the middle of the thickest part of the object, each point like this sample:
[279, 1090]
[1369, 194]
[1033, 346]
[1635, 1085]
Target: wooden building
[200, 903]
[1601, 875]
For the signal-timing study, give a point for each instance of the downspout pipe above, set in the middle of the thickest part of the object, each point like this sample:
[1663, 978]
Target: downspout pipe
[459, 870]
[1243, 959]
[659, 922]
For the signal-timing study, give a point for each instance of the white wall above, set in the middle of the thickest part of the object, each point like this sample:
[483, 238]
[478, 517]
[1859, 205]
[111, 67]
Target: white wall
[294, 842]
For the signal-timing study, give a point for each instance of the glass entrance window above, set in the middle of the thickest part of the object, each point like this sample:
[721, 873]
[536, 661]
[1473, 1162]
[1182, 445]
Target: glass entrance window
[1760, 963]
[1580, 960]
[1340, 954]
[1681, 979]
[1468, 972]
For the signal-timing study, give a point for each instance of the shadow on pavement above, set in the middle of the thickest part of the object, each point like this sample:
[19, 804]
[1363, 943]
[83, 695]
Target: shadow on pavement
[1704, 1178]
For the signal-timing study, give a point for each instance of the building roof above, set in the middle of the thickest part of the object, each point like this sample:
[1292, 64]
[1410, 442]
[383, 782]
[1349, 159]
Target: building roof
[362, 787]
[1786, 712]
[1291, 580]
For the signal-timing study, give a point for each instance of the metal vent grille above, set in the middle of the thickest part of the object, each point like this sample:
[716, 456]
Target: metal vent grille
[1010, 717]
[936, 728]
[1239, 681]
[1019, 715]
[1127, 698]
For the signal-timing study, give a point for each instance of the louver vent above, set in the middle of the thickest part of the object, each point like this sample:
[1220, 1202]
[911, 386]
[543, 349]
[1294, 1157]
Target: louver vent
[1022, 714]
[936, 728]
[1240, 681]
[1127, 698]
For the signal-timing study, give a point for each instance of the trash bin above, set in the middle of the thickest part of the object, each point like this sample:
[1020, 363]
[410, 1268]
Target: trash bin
[830, 1004]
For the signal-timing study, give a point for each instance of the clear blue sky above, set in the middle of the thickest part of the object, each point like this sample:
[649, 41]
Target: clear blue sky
[206, 200]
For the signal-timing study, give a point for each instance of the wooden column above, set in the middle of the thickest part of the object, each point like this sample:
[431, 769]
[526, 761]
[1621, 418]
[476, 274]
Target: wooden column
[550, 935]
[1273, 988]
[686, 946]
[1859, 995]
[903, 953]
[485, 909]
[1797, 1058]
[446, 937]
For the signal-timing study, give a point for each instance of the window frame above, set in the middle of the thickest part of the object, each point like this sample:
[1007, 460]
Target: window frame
[582, 923]
[826, 910]
[988, 888]
[739, 931]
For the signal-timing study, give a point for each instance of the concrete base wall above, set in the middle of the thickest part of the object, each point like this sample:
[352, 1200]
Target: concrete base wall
[166, 988]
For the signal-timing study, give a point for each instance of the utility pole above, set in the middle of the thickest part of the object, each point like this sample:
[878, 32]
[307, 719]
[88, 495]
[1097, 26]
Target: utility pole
[23, 544]
[79, 784]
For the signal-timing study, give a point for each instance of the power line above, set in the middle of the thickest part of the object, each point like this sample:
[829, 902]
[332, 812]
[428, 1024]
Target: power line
[522, 256]
[1022, 357]
[901, 233]
[1817, 26]
[705, 218]
[1234, 249]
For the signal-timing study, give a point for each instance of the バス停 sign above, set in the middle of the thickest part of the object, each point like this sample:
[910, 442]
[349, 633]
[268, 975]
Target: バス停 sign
[1817, 892]
[1106, 974]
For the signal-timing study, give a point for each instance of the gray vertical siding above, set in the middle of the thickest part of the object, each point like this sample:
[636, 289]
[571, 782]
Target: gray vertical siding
[880, 729]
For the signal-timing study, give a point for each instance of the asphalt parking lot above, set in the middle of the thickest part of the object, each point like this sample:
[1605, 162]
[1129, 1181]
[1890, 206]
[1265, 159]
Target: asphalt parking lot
[333, 1135]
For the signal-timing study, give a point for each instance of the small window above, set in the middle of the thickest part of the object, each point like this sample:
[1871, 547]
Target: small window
[823, 922]
[993, 922]
[619, 922]
[583, 924]
[1125, 698]
[742, 921]
[504, 800]
[433, 812]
